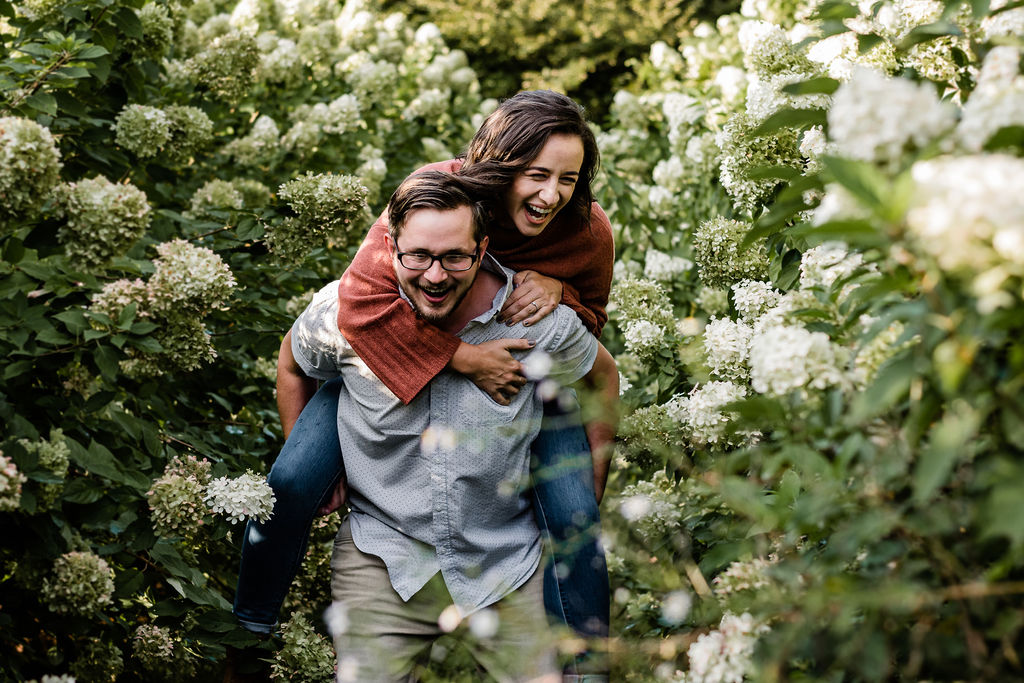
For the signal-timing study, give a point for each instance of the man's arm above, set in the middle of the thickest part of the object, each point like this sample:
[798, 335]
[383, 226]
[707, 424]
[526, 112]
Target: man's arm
[294, 387]
[602, 417]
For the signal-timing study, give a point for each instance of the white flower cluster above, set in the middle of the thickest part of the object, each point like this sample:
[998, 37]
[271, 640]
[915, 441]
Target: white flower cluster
[789, 358]
[726, 348]
[664, 267]
[700, 413]
[102, 220]
[968, 212]
[822, 265]
[29, 167]
[327, 206]
[646, 315]
[742, 576]
[997, 102]
[10, 484]
[176, 132]
[245, 497]
[653, 507]
[227, 67]
[877, 350]
[724, 655]
[53, 455]
[189, 279]
[876, 118]
[80, 583]
[153, 647]
[258, 146]
[1006, 24]
[753, 297]
[743, 151]
[281, 60]
[176, 498]
[720, 261]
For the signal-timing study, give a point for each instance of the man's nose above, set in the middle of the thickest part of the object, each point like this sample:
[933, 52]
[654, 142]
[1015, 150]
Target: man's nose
[435, 273]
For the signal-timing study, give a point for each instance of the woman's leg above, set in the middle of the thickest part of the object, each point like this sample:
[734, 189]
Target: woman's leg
[304, 474]
[576, 580]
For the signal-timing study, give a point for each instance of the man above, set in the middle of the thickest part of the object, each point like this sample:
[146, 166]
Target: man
[439, 528]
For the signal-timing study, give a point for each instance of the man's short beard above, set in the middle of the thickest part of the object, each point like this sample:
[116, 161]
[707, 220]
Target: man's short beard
[434, 319]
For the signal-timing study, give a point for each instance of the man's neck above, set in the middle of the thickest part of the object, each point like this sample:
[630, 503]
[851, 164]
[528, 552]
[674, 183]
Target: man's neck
[478, 300]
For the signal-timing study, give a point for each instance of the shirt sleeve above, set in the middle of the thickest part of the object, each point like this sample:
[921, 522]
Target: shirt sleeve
[317, 344]
[570, 347]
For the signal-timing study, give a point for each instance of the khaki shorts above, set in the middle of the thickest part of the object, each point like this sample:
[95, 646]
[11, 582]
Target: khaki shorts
[385, 636]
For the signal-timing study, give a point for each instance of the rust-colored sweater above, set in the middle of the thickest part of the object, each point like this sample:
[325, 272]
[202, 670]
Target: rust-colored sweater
[405, 352]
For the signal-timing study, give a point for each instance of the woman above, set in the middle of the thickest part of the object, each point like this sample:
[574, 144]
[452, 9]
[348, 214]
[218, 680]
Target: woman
[536, 155]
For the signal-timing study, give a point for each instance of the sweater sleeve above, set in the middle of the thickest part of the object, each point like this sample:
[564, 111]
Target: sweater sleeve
[587, 291]
[401, 349]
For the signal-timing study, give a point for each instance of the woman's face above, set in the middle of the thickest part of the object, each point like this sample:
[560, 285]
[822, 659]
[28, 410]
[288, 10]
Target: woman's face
[545, 186]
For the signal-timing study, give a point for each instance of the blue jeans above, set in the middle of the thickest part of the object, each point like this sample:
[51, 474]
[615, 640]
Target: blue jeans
[310, 465]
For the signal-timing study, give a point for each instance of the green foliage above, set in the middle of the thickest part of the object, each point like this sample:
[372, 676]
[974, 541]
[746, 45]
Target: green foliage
[162, 161]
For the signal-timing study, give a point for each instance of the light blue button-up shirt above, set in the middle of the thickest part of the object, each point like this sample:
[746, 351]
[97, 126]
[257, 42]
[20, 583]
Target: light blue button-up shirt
[437, 485]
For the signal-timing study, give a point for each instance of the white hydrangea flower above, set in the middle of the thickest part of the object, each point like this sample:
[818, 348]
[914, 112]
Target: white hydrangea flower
[724, 655]
[189, 278]
[248, 496]
[29, 166]
[701, 412]
[643, 337]
[653, 507]
[788, 358]
[875, 118]
[997, 101]
[10, 484]
[663, 267]
[1007, 24]
[968, 212]
[80, 583]
[753, 297]
[727, 346]
[822, 265]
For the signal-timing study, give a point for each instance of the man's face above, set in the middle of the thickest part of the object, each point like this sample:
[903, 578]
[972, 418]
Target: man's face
[435, 293]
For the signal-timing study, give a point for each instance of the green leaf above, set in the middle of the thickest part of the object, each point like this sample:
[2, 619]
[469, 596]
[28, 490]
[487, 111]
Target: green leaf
[860, 178]
[867, 41]
[947, 442]
[928, 32]
[890, 385]
[128, 21]
[822, 85]
[83, 490]
[14, 250]
[91, 52]
[74, 320]
[1007, 136]
[791, 118]
[42, 101]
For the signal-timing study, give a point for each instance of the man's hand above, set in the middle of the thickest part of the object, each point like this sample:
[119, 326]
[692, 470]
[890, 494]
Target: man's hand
[492, 367]
[338, 496]
[534, 297]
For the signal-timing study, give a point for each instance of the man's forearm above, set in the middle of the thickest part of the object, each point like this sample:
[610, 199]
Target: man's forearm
[294, 387]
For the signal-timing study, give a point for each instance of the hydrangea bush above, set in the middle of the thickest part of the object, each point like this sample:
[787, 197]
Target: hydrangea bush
[827, 442]
[174, 177]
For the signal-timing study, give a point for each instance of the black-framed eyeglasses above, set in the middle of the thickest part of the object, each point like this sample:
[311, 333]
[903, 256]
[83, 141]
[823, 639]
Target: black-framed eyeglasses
[421, 260]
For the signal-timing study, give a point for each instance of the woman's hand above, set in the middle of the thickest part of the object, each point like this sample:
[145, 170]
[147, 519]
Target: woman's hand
[534, 297]
[492, 367]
